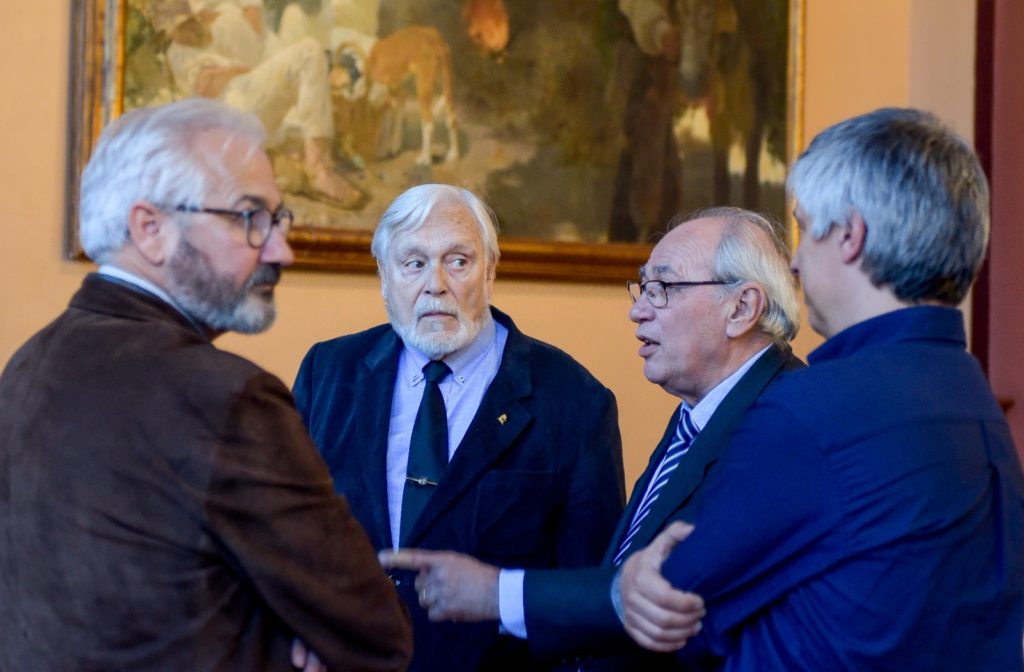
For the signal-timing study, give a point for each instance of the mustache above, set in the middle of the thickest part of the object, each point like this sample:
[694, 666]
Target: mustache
[433, 305]
[265, 274]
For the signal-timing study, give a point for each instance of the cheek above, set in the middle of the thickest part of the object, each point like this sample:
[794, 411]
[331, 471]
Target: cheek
[471, 294]
[399, 295]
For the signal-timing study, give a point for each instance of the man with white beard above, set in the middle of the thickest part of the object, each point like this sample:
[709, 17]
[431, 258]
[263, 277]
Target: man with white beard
[450, 429]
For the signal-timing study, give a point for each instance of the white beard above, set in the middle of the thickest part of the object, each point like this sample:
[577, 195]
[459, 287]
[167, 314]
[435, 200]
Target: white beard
[437, 344]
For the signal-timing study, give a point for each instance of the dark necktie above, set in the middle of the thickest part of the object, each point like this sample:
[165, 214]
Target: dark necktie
[686, 431]
[428, 449]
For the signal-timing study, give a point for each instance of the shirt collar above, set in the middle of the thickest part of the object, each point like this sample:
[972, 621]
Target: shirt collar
[145, 285]
[463, 363]
[706, 407]
[936, 323]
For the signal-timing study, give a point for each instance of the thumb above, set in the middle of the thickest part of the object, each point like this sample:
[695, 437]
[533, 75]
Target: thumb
[665, 542]
[298, 653]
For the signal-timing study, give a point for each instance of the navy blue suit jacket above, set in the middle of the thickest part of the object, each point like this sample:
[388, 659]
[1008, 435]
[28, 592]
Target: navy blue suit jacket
[569, 613]
[543, 489]
[868, 514]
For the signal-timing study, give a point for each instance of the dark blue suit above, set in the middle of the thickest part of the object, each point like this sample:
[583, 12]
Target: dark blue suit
[569, 614]
[544, 488]
[868, 514]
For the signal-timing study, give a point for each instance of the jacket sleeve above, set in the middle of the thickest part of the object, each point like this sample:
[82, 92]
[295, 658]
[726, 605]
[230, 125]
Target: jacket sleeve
[569, 609]
[270, 504]
[569, 612]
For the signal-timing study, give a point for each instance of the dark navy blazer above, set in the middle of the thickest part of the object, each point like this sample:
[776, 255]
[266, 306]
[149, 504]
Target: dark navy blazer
[542, 487]
[867, 514]
[569, 614]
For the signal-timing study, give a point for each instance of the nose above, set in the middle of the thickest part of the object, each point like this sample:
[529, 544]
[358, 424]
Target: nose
[276, 249]
[641, 310]
[436, 281]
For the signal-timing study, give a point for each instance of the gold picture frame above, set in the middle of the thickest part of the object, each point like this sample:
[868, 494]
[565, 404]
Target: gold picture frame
[571, 155]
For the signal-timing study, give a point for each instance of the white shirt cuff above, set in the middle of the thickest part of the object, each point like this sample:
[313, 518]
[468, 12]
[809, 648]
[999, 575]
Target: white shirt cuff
[510, 602]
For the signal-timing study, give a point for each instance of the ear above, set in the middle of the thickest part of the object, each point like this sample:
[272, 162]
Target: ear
[151, 232]
[746, 308]
[854, 234]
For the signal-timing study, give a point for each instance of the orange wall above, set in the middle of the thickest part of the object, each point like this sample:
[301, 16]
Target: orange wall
[861, 54]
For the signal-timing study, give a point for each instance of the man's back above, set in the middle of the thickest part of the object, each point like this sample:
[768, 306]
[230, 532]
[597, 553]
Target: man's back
[884, 513]
[161, 506]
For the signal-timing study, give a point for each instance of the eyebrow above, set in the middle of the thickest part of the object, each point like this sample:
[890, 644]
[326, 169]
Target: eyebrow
[258, 201]
[663, 269]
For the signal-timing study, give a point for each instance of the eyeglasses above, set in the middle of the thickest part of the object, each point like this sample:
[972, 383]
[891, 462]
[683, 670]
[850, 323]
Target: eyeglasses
[656, 291]
[258, 221]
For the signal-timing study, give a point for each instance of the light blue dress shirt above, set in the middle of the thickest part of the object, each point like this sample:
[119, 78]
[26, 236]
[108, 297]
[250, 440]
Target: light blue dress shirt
[473, 369]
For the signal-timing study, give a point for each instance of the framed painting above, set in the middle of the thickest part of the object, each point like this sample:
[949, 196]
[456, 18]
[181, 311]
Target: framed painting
[585, 124]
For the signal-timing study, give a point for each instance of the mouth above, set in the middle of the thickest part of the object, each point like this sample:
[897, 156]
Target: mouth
[435, 314]
[647, 346]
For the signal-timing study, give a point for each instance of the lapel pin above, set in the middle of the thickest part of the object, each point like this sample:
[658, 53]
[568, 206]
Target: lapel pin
[502, 418]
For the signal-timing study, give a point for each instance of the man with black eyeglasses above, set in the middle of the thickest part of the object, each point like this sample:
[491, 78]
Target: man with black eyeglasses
[161, 505]
[715, 308]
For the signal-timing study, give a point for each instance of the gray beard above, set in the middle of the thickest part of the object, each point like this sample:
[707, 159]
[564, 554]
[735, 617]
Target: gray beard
[213, 301]
[440, 344]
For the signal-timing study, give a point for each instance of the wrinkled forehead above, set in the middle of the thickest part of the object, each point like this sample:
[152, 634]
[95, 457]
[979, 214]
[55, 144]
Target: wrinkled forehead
[680, 254]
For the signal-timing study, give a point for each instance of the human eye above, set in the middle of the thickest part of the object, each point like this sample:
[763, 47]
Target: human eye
[652, 288]
[260, 217]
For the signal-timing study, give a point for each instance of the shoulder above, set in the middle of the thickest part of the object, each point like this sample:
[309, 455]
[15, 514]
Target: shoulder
[550, 364]
[348, 347]
[218, 377]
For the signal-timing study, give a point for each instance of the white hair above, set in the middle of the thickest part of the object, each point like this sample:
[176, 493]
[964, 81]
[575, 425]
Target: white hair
[409, 211]
[742, 256]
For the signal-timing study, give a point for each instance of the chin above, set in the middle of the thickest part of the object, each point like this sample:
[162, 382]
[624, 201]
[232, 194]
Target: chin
[254, 317]
[439, 344]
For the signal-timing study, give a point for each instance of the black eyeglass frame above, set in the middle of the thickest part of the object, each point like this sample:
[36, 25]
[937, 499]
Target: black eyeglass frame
[249, 218]
[665, 286]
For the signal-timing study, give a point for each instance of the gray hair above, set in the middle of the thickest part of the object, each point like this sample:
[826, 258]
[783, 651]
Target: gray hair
[148, 154]
[410, 210]
[742, 256]
[918, 187]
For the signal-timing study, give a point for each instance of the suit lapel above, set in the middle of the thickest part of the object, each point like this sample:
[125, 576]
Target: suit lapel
[639, 488]
[500, 419]
[372, 412]
[708, 446]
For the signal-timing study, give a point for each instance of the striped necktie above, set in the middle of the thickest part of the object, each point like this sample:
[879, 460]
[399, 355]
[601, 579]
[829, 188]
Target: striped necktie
[686, 432]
